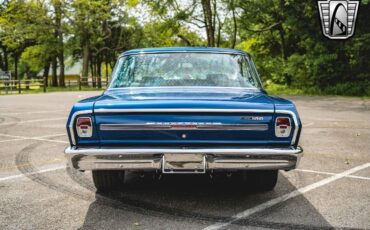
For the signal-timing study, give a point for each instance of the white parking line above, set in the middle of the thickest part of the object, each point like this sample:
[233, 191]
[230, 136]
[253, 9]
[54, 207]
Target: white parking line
[286, 197]
[313, 171]
[16, 176]
[42, 138]
[34, 112]
[11, 140]
[30, 121]
[329, 173]
[308, 124]
[359, 177]
[53, 135]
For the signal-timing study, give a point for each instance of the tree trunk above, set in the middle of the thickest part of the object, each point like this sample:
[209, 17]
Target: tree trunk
[1, 62]
[16, 60]
[106, 67]
[61, 69]
[218, 31]
[28, 76]
[287, 77]
[59, 33]
[98, 71]
[235, 25]
[95, 72]
[6, 65]
[85, 64]
[54, 76]
[209, 23]
[214, 15]
[182, 37]
[92, 69]
[15, 66]
[45, 75]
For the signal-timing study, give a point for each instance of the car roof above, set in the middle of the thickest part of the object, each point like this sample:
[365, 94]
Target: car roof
[183, 49]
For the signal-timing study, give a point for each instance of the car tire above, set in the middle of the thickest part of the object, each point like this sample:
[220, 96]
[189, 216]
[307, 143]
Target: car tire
[261, 180]
[107, 180]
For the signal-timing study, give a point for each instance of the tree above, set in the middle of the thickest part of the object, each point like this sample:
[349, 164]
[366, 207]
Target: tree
[58, 6]
[284, 37]
[207, 15]
[25, 24]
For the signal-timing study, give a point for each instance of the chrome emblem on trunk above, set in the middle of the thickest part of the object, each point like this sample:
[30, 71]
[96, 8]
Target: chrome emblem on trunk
[252, 118]
[183, 125]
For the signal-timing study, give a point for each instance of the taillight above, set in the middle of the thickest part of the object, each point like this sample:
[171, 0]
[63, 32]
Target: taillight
[282, 127]
[84, 127]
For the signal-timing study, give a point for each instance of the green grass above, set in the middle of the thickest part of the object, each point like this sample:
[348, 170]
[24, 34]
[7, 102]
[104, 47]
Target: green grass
[347, 89]
[35, 90]
[275, 89]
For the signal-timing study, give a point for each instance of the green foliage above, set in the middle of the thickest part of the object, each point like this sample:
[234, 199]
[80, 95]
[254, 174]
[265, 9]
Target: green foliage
[33, 58]
[348, 89]
[286, 41]
[284, 37]
[23, 23]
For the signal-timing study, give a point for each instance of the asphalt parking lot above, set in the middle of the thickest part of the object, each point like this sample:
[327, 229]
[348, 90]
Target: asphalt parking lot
[331, 188]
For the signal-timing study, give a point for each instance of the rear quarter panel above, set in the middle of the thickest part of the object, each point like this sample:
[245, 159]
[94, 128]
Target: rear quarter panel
[82, 108]
[287, 105]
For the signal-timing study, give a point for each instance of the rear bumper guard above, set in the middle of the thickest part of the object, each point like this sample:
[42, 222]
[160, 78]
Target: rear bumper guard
[183, 160]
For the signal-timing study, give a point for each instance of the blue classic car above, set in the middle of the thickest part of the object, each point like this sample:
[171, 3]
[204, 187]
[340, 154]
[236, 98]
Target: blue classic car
[184, 110]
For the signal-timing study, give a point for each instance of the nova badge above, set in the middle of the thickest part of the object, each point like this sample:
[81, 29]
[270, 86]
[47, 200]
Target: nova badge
[252, 118]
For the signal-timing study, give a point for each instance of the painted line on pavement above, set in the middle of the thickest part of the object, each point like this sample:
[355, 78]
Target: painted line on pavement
[53, 135]
[30, 121]
[308, 124]
[286, 197]
[42, 138]
[17, 176]
[18, 139]
[329, 173]
[34, 112]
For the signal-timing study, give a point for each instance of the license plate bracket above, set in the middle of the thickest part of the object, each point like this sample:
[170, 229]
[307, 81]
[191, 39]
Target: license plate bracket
[183, 163]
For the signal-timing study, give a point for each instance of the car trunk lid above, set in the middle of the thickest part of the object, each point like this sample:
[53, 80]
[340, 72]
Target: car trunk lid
[185, 118]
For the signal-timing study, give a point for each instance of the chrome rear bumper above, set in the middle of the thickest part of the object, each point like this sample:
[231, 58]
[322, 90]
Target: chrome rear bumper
[163, 159]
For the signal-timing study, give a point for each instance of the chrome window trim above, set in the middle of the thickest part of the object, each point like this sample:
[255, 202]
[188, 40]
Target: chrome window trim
[71, 122]
[295, 120]
[182, 87]
[168, 126]
[231, 52]
[184, 110]
[185, 51]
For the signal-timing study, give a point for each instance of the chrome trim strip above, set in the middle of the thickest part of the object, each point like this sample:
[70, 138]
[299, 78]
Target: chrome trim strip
[183, 126]
[149, 151]
[184, 110]
[295, 133]
[71, 122]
